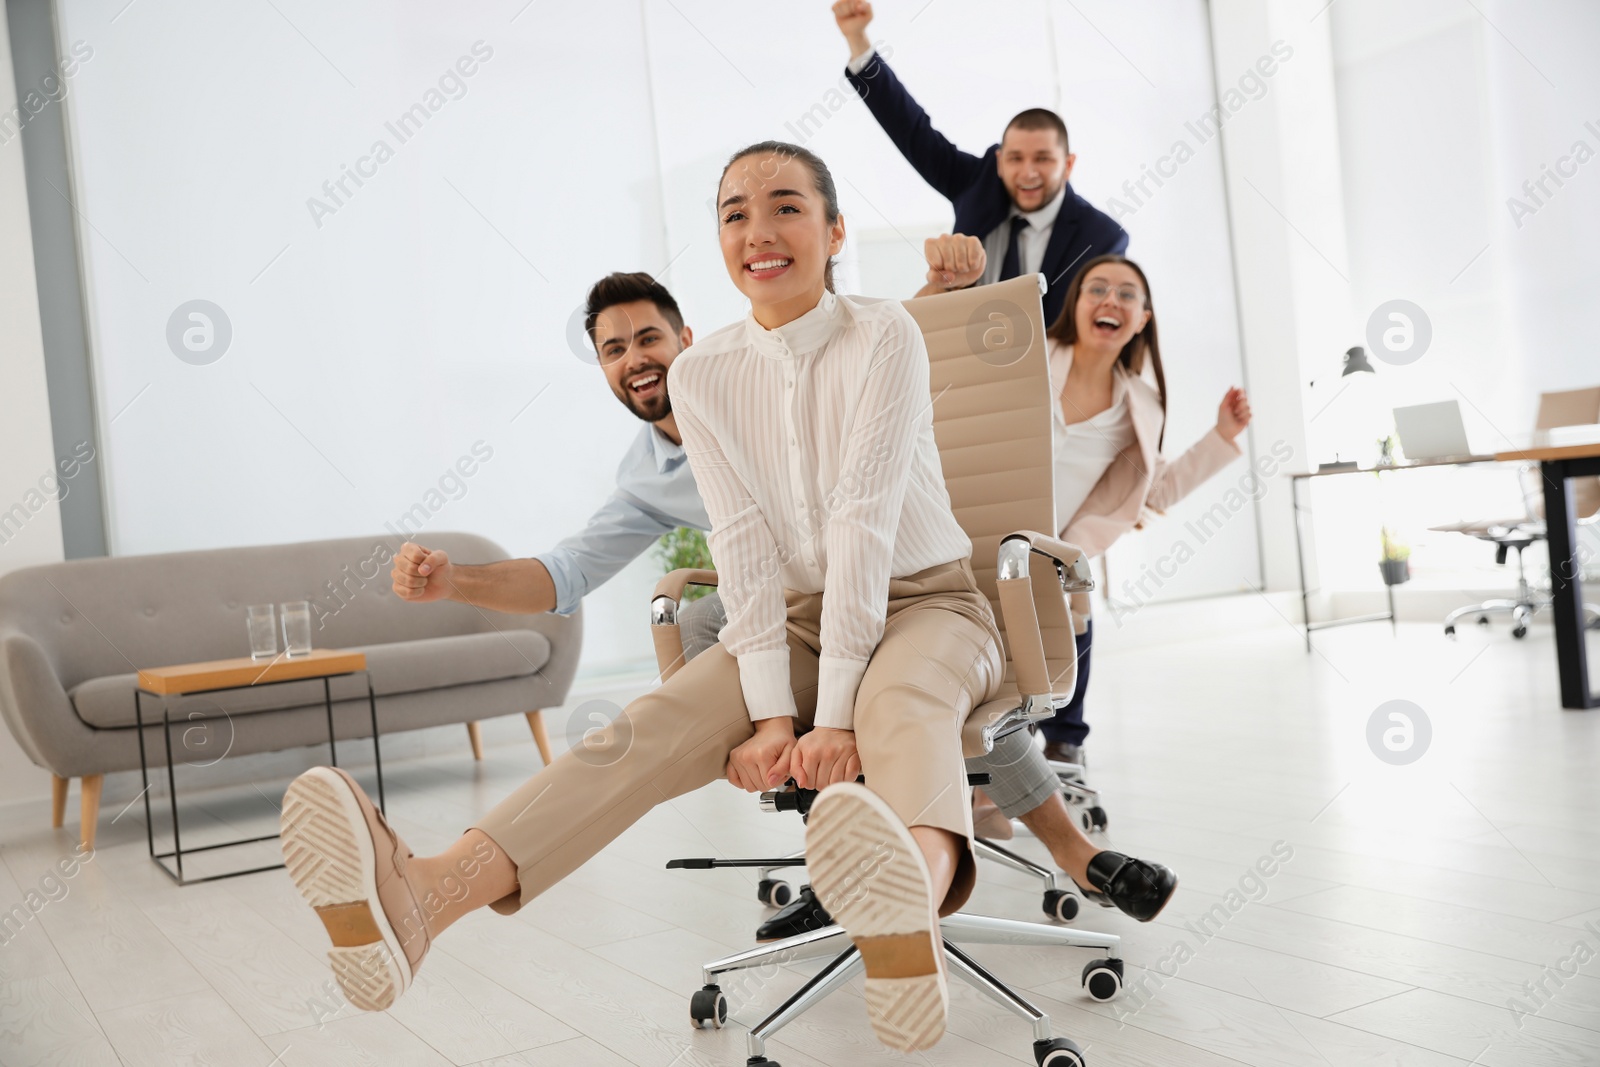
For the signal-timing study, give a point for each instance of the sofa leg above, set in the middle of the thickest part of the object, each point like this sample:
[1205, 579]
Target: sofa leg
[475, 735]
[58, 800]
[89, 816]
[540, 737]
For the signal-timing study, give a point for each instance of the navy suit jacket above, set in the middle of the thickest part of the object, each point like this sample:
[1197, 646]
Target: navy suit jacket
[972, 184]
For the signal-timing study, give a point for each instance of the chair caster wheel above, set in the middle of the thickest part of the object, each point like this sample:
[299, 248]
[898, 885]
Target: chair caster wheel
[1060, 905]
[1058, 1052]
[774, 893]
[1103, 979]
[1097, 817]
[1449, 631]
[1519, 632]
[760, 1061]
[1483, 620]
[708, 1009]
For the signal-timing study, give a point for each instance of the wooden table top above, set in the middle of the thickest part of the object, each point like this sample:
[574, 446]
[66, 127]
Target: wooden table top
[1563, 442]
[227, 673]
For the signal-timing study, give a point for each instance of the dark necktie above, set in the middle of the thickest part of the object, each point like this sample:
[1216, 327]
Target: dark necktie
[1011, 266]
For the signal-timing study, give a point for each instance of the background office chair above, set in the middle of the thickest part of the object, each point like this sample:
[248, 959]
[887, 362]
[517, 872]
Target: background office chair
[991, 405]
[1572, 407]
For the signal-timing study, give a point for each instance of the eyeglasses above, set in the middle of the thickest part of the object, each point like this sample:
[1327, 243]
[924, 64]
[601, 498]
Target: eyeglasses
[1126, 294]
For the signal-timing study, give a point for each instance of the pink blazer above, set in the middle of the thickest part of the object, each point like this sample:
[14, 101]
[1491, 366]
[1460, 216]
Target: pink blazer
[1140, 484]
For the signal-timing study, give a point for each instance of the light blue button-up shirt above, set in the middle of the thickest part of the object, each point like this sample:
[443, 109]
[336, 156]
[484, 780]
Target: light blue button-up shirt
[655, 494]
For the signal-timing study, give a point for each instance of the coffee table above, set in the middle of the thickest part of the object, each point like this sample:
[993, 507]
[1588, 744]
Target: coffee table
[216, 676]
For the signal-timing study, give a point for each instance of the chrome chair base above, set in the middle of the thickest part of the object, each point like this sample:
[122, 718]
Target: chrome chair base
[1102, 977]
[1523, 607]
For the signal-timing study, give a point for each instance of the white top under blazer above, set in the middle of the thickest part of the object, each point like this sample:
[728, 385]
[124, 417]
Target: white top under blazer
[1086, 448]
[813, 448]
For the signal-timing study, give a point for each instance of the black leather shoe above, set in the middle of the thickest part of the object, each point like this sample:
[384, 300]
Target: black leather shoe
[1061, 752]
[1136, 888]
[802, 916]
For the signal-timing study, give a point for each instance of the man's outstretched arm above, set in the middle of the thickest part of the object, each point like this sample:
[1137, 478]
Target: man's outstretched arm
[514, 586]
[942, 165]
[556, 580]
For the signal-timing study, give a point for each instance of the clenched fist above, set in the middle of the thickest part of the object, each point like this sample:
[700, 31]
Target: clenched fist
[1233, 414]
[955, 260]
[852, 17]
[421, 574]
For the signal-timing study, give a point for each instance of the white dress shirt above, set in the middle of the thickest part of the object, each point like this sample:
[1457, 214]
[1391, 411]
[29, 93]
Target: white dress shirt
[1033, 238]
[858, 64]
[813, 448]
[1084, 449]
[655, 494]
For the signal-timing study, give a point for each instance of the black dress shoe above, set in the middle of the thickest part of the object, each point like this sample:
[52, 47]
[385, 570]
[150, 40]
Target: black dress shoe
[1137, 888]
[801, 916]
[1061, 752]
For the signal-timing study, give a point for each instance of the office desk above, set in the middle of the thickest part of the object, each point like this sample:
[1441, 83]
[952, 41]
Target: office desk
[1299, 548]
[1564, 454]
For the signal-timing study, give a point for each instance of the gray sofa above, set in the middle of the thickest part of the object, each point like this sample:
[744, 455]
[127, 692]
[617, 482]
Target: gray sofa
[74, 634]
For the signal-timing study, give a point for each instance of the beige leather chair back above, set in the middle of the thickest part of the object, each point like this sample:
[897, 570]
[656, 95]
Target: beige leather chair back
[991, 418]
[1573, 407]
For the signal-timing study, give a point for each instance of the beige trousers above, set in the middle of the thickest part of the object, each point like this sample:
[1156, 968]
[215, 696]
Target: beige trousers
[939, 658]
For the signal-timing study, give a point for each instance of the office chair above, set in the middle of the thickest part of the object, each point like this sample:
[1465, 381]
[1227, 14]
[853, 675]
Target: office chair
[1572, 407]
[991, 404]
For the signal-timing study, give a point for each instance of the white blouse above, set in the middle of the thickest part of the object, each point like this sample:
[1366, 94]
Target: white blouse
[813, 448]
[1085, 449]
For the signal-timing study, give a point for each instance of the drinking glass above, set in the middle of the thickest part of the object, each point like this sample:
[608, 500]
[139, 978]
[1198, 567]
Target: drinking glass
[263, 631]
[296, 615]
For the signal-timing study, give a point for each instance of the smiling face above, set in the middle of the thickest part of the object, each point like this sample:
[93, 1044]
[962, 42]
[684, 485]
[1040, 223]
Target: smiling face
[1112, 307]
[1033, 166]
[776, 235]
[636, 345]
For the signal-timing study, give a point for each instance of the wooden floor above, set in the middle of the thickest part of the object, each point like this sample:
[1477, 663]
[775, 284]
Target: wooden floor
[1421, 903]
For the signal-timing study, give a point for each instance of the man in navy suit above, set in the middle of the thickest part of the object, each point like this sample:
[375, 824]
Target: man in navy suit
[1013, 203]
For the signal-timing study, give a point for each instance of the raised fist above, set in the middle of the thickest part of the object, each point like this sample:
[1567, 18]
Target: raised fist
[421, 574]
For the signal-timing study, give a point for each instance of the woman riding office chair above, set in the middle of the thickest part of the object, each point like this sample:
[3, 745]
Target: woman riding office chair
[992, 424]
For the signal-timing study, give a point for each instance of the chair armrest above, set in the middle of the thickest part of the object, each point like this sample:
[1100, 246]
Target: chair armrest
[664, 632]
[671, 586]
[33, 703]
[1031, 603]
[1071, 566]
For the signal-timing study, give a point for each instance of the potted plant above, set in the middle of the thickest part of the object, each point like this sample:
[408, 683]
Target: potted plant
[684, 547]
[1395, 564]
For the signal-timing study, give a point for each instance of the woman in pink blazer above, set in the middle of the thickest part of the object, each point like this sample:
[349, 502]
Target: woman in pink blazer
[1109, 422]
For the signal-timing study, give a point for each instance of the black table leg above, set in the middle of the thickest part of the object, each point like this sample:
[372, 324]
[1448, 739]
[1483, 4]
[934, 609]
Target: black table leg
[1566, 580]
[327, 703]
[172, 790]
[377, 755]
[144, 771]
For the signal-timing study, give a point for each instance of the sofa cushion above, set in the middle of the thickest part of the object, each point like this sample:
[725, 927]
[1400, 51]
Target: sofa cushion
[397, 667]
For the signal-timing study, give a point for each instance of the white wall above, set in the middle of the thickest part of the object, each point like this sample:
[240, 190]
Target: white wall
[1286, 213]
[422, 315]
[26, 475]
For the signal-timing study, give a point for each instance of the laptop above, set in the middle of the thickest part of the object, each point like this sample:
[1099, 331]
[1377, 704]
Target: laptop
[1432, 431]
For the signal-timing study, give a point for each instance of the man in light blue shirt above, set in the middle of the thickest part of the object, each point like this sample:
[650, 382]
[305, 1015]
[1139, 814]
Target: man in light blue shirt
[637, 331]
